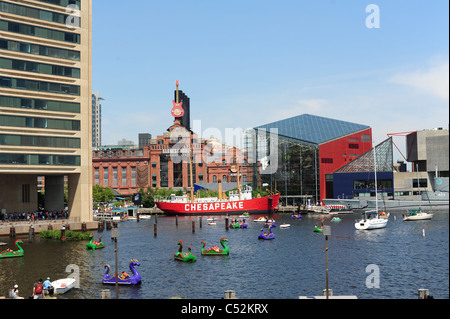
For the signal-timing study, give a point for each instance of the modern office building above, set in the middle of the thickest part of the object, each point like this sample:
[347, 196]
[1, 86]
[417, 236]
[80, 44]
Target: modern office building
[309, 149]
[45, 105]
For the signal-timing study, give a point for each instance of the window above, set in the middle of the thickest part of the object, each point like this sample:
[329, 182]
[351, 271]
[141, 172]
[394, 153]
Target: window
[133, 176]
[96, 176]
[420, 183]
[326, 161]
[114, 176]
[214, 179]
[105, 176]
[353, 146]
[124, 176]
[224, 178]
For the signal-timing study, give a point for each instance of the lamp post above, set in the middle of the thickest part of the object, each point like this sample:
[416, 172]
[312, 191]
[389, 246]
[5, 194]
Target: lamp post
[326, 232]
[115, 233]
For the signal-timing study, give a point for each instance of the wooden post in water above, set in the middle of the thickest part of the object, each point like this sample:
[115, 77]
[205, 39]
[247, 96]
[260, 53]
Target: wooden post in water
[156, 218]
[193, 226]
[226, 223]
[176, 220]
[12, 232]
[155, 230]
[30, 234]
[63, 233]
[200, 221]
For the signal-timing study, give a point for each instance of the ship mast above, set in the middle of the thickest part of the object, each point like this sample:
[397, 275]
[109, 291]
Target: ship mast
[191, 155]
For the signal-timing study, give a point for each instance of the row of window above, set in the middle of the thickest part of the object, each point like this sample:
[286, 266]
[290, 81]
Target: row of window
[27, 29]
[63, 3]
[36, 49]
[39, 122]
[39, 159]
[41, 86]
[37, 104]
[42, 141]
[33, 13]
[43, 68]
[115, 178]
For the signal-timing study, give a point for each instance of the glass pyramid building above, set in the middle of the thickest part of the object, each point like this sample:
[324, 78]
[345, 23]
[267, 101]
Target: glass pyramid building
[365, 163]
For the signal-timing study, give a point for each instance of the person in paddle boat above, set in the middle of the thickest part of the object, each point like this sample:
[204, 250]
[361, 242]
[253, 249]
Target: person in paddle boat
[124, 275]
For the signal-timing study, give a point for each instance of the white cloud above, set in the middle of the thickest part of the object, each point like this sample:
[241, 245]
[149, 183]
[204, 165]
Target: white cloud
[434, 80]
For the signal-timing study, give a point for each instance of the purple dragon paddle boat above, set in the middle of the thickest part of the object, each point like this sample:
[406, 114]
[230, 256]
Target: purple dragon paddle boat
[124, 279]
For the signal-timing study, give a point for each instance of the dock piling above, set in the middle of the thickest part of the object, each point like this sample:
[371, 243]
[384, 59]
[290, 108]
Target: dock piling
[193, 226]
[155, 230]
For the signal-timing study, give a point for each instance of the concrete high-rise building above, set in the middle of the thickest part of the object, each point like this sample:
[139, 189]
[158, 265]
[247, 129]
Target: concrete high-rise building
[96, 120]
[45, 105]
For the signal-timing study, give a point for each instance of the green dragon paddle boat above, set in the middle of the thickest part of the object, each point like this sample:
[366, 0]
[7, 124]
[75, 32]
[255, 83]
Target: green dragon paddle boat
[318, 229]
[186, 257]
[8, 253]
[215, 251]
[95, 244]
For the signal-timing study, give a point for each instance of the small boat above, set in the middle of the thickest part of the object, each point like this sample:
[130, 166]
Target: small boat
[416, 214]
[186, 257]
[243, 224]
[371, 220]
[260, 219]
[266, 236]
[296, 216]
[318, 229]
[211, 221]
[270, 222]
[215, 251]
[235, 224]
[62, 286]
[244, 214]
[9, 253]
[93, 244]
[284, 225]
[336, 219]
[123, 279]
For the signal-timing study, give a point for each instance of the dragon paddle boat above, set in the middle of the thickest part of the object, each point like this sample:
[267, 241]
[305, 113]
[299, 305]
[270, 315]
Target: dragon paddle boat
[318, 229]
[124, 278]
[336, 219]
[9, 253]
[243, 224]
[235, 224]
[215, 251]
[266, 236]
[296, 216]
[186, 257]
[95, 244]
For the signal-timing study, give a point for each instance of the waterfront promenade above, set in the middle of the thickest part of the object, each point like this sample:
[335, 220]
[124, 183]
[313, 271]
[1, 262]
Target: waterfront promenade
[23, 227]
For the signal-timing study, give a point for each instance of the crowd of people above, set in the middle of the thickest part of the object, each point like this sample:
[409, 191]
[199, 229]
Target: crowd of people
[33, 216]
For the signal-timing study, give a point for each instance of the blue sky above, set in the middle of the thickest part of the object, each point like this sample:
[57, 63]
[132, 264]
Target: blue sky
[250, 62]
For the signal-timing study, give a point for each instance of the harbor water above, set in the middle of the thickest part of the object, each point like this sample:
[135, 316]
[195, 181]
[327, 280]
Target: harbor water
[389, 263]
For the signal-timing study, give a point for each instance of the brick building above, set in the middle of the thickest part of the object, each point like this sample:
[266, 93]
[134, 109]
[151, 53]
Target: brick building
[164, 163]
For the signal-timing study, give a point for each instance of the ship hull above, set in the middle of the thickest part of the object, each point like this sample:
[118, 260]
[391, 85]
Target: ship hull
[261, 205]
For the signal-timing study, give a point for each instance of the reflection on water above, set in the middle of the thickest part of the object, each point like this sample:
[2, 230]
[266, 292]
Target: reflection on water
[291, 265]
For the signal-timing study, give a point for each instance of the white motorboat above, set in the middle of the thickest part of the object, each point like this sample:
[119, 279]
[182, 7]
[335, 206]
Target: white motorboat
[416, 214]
[284, 225]
[62, 286]
[371, 220]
